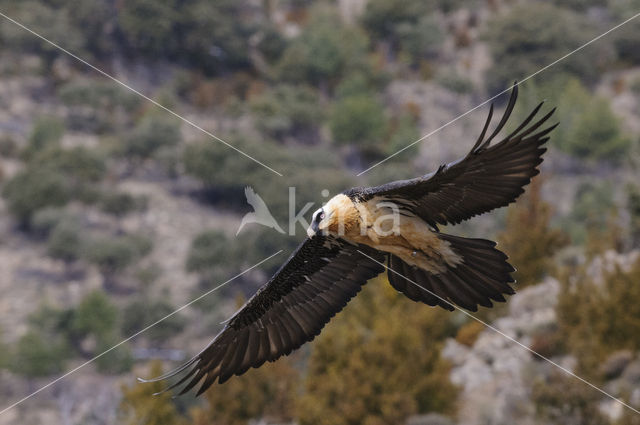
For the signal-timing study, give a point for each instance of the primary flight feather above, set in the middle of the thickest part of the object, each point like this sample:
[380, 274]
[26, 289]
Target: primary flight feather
[347, 246]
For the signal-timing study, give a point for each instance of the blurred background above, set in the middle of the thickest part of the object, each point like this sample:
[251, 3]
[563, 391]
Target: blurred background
[113, 212]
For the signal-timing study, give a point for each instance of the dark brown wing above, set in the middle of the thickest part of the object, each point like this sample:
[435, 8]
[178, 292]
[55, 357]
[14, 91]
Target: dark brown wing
[317, 281]
[488, 177]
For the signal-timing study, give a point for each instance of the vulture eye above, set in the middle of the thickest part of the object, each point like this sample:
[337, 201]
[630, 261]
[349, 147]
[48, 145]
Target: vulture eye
[320, 217]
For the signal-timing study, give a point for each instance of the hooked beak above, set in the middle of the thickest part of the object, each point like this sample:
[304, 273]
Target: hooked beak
[312, 230]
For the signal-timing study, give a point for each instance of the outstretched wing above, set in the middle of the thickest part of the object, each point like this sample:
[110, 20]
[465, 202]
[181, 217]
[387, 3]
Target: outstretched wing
[317, 281]
[488, 177]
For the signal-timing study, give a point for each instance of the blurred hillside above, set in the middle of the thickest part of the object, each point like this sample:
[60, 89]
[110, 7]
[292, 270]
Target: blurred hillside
[114, 213]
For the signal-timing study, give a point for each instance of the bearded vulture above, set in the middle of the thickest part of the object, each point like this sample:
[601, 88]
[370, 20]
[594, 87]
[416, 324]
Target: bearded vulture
[345, 248]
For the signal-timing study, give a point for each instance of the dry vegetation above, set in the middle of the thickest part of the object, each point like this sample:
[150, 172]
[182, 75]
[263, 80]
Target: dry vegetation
[114, 213]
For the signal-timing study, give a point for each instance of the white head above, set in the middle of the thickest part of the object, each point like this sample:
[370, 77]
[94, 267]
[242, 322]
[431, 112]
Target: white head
[318, 222]
[336, 216]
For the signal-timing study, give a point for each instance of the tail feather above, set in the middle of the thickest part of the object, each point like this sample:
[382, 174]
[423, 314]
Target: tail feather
[411, 282]
[483, 276]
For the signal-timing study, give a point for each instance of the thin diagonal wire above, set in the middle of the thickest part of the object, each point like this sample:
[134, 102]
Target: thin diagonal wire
[505, 335]
[159, 105]
[134, 335]
[499, 94]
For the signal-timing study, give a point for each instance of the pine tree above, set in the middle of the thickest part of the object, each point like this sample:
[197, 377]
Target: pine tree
[528, 238]
[378, 362]
[140, 407]
[266, 392]
[596, 319]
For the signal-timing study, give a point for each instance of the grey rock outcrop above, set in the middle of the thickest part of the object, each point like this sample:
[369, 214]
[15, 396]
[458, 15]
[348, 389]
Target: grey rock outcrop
[495, 373]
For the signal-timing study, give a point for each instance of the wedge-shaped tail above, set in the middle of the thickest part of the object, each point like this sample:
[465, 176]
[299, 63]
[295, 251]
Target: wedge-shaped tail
[483, 276]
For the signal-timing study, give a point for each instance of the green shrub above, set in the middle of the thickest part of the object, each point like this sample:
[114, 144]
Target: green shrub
[117, 361]
[95, 316]
[588, 128]
[99, 95]
[51, 321]
[113, 254]
[207, 27]
[359, 121]
[218, 166]
[148, 25]
[382, 17]
[623, 9]
[142, 313]
[224, 174]
[324, 52]
[597, 134]
[454, 82]
[65, 241]
[404, 132]
[97, 22]
[152, 133]
[214, 257]
[54, 336]
[410, 26]
[120, 203]
[53, 23]
[421, 39]
[45, 348]
[45, 133]
[33, 189]
[208, 248]
[53, 177]
[98, 106]
[626, 42]
[272, 43]
[591, 206]
[197, 32]
[354, 84]
[529, 38]
[78, 165]
[413, 28]
[46, 219]
[38, 354]
[288, 110]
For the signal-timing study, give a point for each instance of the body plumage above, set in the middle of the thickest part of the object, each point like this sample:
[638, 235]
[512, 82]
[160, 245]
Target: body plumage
[358, 233]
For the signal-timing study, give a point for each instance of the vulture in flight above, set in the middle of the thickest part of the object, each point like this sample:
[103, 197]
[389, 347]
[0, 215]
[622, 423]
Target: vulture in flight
[347, 245]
